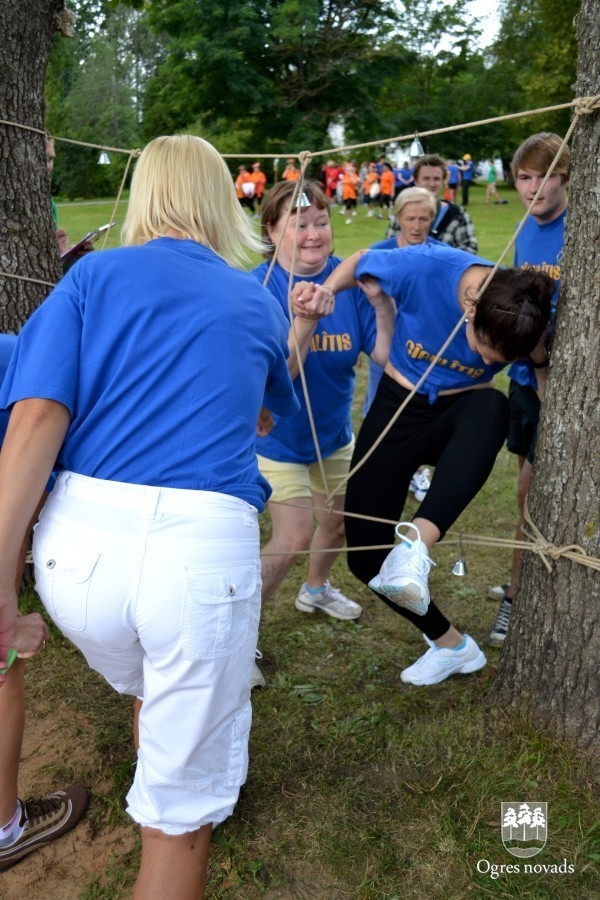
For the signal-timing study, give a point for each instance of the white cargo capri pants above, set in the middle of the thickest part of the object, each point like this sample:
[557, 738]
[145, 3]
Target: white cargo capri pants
[160, 590]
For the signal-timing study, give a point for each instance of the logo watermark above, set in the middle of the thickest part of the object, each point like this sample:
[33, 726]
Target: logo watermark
[524, 831]
[524, 828]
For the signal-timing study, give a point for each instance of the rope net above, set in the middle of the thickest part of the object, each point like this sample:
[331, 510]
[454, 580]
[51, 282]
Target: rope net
[535, 541]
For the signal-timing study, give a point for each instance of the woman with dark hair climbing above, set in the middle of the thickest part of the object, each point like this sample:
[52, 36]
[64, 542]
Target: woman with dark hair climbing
[456, 421]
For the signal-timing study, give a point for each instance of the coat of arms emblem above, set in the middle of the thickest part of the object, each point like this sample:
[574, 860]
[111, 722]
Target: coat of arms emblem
[524, 828]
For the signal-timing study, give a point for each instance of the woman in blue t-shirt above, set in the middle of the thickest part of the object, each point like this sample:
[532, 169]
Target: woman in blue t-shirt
[143, 376]
[456, 421]
[328, 341]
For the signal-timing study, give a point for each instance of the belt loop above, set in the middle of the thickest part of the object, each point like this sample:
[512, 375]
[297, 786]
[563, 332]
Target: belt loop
[60, 486]
[152, 502]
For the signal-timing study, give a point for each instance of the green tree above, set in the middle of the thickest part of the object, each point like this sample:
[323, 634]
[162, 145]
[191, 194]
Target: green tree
[437, 65]
[280, 69]
[95, 93]
[533, 64]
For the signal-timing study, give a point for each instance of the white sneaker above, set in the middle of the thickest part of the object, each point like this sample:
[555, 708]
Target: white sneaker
[404, 573]
[348, 221]
[330, 601]
[439, 663]
[258, 679]
[420, 484]
[498, 592]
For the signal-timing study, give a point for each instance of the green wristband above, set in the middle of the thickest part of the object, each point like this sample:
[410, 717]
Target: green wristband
[11, 656]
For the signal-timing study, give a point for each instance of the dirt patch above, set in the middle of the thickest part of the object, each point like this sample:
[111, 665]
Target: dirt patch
[60, 870]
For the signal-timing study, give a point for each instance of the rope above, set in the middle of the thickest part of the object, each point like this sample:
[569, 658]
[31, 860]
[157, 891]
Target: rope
[535, 541]
[545, 548]
[582, 106]
[588, 105]
[26, 278]
[132, 155]
[296, 193]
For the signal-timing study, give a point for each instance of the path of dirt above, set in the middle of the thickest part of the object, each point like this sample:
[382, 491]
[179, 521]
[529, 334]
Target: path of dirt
[60, 870]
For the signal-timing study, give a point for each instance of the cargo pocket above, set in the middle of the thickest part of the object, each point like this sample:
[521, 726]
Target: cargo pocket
[62, 579]
[217, 607]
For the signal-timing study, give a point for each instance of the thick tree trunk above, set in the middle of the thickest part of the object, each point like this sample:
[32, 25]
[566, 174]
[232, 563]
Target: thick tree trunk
[550, 663]
[27, 235]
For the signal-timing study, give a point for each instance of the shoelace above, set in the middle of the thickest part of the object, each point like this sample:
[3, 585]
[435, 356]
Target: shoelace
[34, 809]
[503, 617]
[332, 593]
[421, 561]
[421, 480]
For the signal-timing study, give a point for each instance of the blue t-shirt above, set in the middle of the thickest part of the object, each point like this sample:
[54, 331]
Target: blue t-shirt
[469, 171]
[7, 345]
[164, 355]
[424, 282]
[388, 244]
[453, 174]
[539, 247]
[329, 369]
[392, 244]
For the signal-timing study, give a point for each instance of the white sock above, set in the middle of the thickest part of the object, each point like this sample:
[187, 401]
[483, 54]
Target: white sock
[12, 831]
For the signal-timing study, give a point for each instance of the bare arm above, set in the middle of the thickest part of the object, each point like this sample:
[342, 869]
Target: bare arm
[385, 317]
[540, 360]
[310, 303]
[34, 437]
[342, 276]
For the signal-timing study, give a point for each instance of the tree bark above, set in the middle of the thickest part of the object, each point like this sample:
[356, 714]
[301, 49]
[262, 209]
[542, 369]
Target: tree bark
[549, 666]
[27, 234]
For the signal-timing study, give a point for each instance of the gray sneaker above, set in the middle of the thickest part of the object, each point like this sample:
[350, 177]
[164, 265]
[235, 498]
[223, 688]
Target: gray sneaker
[45, 820]
[330, 601]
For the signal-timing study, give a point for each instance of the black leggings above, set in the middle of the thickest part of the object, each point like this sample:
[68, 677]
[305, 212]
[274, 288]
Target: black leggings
[460, 434]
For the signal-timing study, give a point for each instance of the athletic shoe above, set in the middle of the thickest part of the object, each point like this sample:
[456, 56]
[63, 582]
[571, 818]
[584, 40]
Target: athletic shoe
[420, 484]
[404, 573]
[329, 600]
[258, 679]
[45, 820]
[498, 592]
[500, 629]
[439, 663]
[348, 221]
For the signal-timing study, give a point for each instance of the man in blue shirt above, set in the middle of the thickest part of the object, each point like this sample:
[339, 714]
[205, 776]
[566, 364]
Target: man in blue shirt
[539, 246]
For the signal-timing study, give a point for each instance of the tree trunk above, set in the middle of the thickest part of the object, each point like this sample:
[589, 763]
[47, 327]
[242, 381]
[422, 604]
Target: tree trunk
[27, 234]
[549, 667]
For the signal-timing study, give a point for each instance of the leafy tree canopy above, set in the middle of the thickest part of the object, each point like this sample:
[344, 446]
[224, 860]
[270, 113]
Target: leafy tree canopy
[274, 75]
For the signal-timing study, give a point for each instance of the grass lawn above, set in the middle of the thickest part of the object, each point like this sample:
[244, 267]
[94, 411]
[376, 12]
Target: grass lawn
[359, 786]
